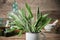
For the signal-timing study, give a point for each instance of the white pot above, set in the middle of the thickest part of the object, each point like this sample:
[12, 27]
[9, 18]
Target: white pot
[32, 36]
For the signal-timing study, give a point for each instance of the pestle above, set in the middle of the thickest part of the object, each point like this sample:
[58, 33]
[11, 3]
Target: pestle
[54, 23]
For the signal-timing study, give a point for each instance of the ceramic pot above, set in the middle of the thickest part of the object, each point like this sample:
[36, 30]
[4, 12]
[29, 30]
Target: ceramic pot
[32, 36]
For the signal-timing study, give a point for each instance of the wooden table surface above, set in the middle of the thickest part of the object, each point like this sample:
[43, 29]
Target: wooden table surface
[49, 36]
[52, 36]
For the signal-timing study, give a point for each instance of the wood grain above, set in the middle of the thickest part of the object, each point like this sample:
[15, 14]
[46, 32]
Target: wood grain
[49, 36]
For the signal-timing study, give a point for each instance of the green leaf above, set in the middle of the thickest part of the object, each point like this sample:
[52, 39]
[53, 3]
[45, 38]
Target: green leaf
[44, 23]
[30, 15]
[40, 20]
[16, 18]
[20, 33]
[10, 30]
[39, 14]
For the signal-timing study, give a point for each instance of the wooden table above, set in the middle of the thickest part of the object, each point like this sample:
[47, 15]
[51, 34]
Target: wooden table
[52, 36]
[49, 36]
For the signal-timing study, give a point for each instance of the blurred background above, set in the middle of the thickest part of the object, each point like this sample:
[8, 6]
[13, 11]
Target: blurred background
[52, 7]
